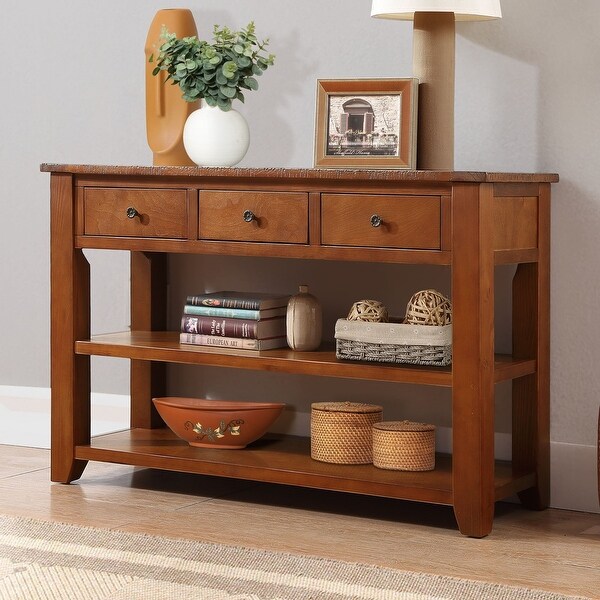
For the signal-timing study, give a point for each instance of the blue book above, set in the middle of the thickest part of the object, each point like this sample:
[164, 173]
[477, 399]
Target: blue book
[235, 313]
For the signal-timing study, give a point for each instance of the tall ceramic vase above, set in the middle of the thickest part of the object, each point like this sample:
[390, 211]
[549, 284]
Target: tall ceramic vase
[166, 111]
[216, 138]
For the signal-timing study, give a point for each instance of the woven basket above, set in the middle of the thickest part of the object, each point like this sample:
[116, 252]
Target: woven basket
[341, 432]
[404, 446]
[394, 342]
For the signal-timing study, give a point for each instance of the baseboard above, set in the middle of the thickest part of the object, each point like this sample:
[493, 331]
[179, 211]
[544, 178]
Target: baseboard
[25, 415]
[25, 421]
[574, 477]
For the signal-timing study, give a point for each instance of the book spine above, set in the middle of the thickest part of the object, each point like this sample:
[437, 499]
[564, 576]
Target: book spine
[235, 328]
[243, 303]
[216, 340]
[213, 311]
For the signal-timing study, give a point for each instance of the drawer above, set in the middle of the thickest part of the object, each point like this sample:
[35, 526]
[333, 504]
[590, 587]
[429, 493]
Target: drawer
[405, 221]
[254, 216]
[159, 213]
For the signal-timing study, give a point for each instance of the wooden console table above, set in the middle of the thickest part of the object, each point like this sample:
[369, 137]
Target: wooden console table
[469, 221]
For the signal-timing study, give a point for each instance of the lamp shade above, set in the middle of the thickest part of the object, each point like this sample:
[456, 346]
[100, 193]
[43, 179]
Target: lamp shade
[464, 10]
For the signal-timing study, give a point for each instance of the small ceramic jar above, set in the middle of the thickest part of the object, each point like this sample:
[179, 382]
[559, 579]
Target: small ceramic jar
[304, 321]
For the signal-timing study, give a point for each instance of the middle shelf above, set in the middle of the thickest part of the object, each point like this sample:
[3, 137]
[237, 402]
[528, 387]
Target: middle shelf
[164, 346]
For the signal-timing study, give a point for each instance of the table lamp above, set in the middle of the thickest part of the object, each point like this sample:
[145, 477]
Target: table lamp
[433, 66]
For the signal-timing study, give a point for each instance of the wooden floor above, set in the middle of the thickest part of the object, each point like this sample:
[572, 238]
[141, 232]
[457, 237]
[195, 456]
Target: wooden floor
[553, 550]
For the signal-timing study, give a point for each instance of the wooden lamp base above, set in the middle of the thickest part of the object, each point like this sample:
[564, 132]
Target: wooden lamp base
[433, 65]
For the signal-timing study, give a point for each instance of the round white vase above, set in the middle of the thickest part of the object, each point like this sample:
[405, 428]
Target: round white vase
[216, 138]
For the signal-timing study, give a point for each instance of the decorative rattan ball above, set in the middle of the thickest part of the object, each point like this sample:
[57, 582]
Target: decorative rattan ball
[429, 307]
[368, 310]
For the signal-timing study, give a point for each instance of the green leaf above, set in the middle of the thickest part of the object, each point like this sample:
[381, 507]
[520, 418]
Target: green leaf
[256, 70]
[251, 83]
[227, 91]
[224, 105]
[238, 48]
[156, 71]
[230, 67]
[221, 79]
[244, 61]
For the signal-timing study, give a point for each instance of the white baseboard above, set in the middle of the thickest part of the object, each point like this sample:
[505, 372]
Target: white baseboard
[574, 477]
[25, 421]
[25, 415]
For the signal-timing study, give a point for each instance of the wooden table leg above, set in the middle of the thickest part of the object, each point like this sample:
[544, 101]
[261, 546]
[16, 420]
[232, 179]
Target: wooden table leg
[531, 339]
[473, 359]
[148, 312]
[70, 320]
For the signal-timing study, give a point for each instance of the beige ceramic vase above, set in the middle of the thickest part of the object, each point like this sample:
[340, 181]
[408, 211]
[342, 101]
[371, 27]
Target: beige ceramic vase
[166, 111]
[304, 321]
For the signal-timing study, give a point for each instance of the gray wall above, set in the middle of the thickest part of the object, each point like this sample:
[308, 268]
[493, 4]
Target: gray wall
[527, 98]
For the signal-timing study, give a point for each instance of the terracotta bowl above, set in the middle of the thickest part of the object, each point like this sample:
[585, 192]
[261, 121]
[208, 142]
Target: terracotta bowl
[217, 423]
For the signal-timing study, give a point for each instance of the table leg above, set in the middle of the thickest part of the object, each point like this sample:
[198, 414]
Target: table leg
[70, 321]
[531, 339]
[473, 359]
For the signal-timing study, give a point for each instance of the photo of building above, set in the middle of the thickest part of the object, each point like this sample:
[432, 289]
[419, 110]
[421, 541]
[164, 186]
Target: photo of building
[364, 125]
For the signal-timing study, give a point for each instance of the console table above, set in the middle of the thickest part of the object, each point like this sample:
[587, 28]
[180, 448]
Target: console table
[469, 221]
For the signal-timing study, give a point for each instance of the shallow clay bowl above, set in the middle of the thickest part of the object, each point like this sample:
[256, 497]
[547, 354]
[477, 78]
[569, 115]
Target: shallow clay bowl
[217, 423]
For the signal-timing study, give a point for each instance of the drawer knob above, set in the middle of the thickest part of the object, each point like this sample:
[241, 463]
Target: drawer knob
[132, 213]
[376, 221]
[249, 216]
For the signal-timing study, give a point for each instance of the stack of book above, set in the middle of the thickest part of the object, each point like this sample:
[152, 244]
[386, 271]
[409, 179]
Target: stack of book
[246, 320]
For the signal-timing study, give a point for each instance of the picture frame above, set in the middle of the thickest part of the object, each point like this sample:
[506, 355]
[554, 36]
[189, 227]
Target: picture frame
[366, 123]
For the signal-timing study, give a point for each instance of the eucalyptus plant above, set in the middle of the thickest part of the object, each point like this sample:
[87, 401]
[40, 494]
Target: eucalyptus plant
[218, 71]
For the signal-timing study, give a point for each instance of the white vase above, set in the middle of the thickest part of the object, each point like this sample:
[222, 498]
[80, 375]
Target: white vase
[216, 138]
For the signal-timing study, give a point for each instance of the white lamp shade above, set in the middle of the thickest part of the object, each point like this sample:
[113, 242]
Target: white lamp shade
[464, 10]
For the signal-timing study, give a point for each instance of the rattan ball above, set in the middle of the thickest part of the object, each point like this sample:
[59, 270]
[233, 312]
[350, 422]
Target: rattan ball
[429, 307]
[368, 310]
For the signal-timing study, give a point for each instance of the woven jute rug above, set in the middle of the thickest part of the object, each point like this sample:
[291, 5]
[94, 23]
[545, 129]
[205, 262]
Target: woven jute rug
[52, 561]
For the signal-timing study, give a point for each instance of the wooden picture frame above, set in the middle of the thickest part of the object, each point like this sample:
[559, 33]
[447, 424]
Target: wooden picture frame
[366, 123]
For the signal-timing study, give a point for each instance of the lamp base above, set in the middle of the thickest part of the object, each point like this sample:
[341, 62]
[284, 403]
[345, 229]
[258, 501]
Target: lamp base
[433, 65]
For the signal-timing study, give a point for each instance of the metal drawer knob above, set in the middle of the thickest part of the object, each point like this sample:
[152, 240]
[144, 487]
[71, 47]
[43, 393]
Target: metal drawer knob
[249, 216]
[376, 221]
[132, 213]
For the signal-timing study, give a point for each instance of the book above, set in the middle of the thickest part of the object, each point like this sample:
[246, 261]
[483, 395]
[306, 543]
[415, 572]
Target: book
[197, 339]
[245, 300]
[235, 313]
[235, 328]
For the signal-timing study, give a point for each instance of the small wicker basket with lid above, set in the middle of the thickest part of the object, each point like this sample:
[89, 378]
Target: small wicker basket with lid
[404, 446]
[341, 432]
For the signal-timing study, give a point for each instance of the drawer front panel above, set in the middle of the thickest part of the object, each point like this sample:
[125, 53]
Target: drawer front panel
[158, 213]
[405, 221]
[271, 217]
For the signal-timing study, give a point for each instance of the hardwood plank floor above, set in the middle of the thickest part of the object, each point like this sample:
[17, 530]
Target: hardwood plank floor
[553, 550]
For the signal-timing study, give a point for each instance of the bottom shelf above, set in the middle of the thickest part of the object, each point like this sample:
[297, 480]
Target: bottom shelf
[286, 460]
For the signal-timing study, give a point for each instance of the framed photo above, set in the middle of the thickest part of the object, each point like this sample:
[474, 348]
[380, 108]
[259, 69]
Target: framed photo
[366, 123]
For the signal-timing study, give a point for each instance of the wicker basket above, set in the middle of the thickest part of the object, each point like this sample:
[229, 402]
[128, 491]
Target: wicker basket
[341, 432]
[404, 446]
[394, 342]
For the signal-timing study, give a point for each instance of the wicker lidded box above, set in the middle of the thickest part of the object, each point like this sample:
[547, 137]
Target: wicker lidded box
[404, 446]
[342, 432]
